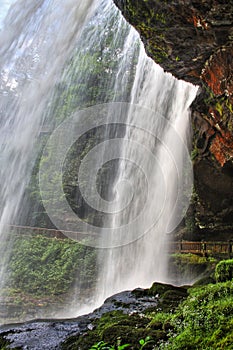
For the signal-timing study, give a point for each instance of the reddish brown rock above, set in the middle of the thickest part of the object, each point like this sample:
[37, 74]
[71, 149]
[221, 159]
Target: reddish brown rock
[222, 147]
[218, 73]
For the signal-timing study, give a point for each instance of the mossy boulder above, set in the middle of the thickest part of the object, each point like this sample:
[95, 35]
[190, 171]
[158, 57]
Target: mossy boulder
[169, 296]
[116, 327]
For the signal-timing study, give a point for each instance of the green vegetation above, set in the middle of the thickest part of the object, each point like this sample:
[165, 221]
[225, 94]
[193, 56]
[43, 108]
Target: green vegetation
[140, 330]
[45, 271]
[152, 23]
[116, 329]
[197, 317]
[105, 346]
[194, 152]
[224, 271]
[193, 259]
[193, 267]
[221, 106]
[204, 320]
[201, 319]
[44, 267]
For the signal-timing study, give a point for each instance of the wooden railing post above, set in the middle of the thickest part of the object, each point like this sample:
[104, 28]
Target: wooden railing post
[180, 247]
[203, 248]
[230, 248]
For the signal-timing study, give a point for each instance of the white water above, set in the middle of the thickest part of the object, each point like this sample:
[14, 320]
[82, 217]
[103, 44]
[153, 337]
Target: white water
[5, 5]
[142, 258]
[35, 43]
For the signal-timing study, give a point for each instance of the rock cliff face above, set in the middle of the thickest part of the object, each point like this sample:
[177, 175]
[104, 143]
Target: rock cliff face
[193, 40]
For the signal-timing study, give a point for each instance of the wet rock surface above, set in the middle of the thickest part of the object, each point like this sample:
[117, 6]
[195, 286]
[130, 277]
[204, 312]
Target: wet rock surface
[50, 334]
[40, 334]
[181, 35]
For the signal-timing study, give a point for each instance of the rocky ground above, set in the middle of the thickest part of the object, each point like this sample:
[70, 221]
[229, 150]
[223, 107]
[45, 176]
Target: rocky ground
[40, 335]
[127, 315]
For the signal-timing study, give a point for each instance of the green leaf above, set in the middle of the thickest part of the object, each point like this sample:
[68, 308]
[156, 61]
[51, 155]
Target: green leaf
[101, 346]
[147, 338]
[122, 347]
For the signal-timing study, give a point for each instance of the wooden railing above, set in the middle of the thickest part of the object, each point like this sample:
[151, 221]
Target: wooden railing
[47, 232]
[204, 248]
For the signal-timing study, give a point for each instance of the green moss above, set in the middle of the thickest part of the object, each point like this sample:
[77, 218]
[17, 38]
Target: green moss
[115, 327]
[204, 319]
[128, 334]
[150, 22]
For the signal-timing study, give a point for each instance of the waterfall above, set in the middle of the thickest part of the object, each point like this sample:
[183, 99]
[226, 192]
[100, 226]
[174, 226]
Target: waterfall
[155, 166]
[140, 116]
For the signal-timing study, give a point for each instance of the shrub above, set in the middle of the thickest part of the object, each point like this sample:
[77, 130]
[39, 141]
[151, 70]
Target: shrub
[43, 266]
[204, 319]
[224, 271]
